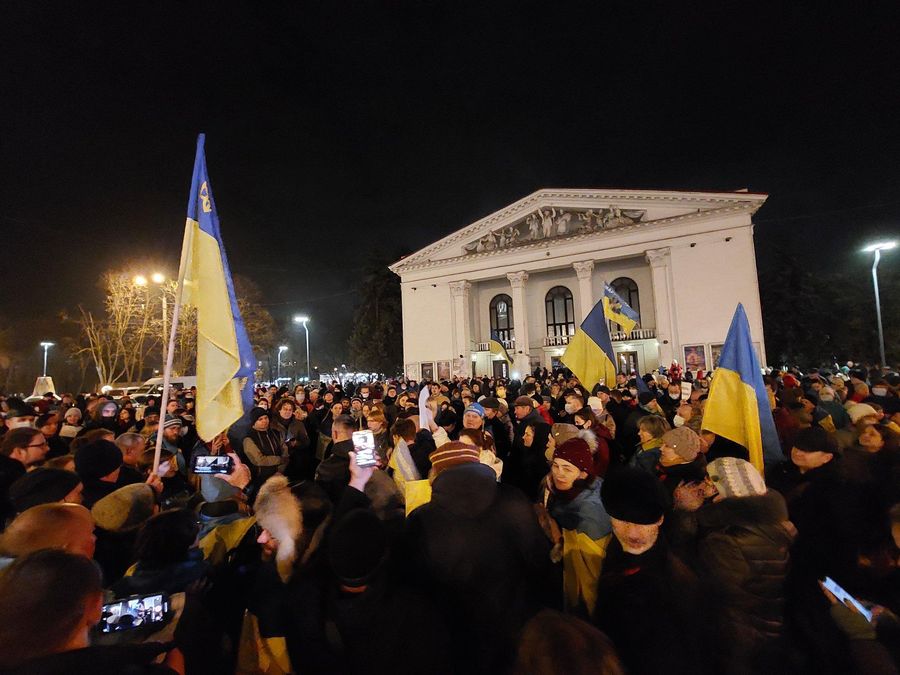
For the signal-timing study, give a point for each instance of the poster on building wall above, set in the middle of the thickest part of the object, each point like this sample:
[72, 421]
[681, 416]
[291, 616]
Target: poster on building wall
[695, 357]
[412, 371]
[443, 370]
[461, 368]
[428, 371]
[715, 353]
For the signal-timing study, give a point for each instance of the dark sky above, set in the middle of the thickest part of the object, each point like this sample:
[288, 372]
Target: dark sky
[337, 130]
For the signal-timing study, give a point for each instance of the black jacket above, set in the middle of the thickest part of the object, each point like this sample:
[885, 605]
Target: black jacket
[478, 549]
[744, 552]
[527, 465]
[333, 473]
[127, 659]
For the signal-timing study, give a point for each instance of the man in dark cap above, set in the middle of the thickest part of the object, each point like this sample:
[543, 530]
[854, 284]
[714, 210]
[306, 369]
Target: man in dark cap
[45, 486]
[19, 414]
[647, 599]
[99, 464]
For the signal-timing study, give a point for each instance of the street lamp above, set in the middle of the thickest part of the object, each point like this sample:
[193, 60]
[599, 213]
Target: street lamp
[159, 279]
[281, 350]
[877, 248]
[305, 320]
[46, 346]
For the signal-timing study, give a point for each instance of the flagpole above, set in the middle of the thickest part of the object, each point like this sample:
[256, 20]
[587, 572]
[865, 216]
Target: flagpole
[170, 352]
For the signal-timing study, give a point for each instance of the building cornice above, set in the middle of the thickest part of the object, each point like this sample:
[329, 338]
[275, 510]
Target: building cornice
[708, 205]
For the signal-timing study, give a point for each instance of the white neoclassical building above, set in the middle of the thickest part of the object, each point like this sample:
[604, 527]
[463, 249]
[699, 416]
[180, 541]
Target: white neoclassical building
[529, 273]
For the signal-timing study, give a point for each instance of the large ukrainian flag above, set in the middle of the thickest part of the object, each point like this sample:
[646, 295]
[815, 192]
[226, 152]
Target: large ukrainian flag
[618, 311]
[590, 354]
[225, 360]
[738, 405]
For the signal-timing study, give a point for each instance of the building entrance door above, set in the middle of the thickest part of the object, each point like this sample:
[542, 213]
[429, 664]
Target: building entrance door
[501, 369]
[627, 362]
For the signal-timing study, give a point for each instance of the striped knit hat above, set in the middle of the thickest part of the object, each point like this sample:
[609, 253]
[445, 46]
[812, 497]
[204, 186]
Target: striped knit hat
[453, 454]
[734, 477]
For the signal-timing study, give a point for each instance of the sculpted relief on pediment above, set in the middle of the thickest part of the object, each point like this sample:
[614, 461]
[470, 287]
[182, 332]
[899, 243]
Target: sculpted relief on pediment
[553, 223]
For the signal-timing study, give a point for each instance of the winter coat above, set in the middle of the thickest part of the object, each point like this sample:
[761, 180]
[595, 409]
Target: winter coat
[650, 606]
[133, 659]
[527, 465]
[333, 473]
[743, 548]
[647, 455]
[478, 549]
[170, 579]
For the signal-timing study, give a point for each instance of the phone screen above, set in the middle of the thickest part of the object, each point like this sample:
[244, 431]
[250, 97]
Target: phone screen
[845, 597]
[364, 446]
[207, 464]
[134, 612]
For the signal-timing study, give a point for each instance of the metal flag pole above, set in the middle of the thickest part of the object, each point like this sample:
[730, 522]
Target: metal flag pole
[170, 352]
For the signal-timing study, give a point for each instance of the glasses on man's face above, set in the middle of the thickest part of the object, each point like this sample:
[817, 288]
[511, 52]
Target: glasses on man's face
[39, 445]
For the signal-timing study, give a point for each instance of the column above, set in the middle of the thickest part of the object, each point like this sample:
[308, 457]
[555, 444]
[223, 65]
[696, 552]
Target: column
[462, 340]
[521, 362]
[664, 303]
[584, 271]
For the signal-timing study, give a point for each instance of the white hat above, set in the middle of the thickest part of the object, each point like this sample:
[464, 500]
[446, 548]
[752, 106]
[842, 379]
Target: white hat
[595, 404]
[860, 410]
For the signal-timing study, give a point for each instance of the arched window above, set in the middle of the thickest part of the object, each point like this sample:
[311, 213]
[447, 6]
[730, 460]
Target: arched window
[628, 291]
[560, 312]
[502, 318]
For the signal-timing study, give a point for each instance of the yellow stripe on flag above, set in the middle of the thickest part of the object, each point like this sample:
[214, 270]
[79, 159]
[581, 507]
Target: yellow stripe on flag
[732, 411]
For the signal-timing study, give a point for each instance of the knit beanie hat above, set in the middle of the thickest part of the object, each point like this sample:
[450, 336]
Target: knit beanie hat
[357, 547]
[151, 410]
[860, 410]
[279, 511]
[72, 413]
[684, 441]
[646, 397]
[453, 454]
[256, 413]
[491, 403]
[735, 477]
[97, 459]
[42, 486]
[125, 509]
[476, 408]
[816, 439]
[576, 451]
[172, 421]
[445, 418]
[563, 432]
[634, 495]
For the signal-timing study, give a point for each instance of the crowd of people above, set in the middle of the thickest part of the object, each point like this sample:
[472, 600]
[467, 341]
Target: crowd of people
[505, 527]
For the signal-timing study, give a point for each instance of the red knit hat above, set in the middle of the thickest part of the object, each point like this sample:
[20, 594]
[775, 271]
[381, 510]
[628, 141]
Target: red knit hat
[576, 451]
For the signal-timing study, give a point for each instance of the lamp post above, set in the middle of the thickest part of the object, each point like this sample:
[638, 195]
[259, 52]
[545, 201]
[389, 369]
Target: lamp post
[46, 346]
[878, 248]
[160, 280]
[281, 350]
[305, 320]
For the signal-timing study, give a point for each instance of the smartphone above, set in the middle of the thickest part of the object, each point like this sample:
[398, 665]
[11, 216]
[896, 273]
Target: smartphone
[134, 612]
[686, 389]
[207, 464]
[845, 597]
[364, 446]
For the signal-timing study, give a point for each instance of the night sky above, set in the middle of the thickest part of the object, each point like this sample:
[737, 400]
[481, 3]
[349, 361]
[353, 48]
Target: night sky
[341, 131]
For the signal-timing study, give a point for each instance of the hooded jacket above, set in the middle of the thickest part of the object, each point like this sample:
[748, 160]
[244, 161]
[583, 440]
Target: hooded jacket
[478, 547]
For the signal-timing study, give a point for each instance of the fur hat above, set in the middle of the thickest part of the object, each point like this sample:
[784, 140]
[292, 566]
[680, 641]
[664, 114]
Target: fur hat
[633, 495]
[735, 477]
[125, 509]
[278, 510]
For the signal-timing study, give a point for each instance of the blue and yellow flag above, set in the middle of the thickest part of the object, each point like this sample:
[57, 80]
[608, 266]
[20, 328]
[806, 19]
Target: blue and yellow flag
[225, 360]
[738, 405]
[497, 349]
[590, 354]
[618, 311]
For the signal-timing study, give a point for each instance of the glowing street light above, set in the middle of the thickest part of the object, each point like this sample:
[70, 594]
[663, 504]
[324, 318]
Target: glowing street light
[46, 346]
[281, 350]
[299, 318]
[877, 248]
[159, 279]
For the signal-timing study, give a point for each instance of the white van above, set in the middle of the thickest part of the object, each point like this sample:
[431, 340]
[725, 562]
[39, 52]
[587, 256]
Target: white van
[154, 386]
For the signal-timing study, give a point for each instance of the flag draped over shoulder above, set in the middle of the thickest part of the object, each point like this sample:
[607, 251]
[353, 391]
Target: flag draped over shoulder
[618, 311]
[225, 360]
[738, 405]
[590, 354]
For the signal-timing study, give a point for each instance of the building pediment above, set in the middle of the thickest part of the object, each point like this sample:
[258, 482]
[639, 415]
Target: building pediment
[561, 215]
